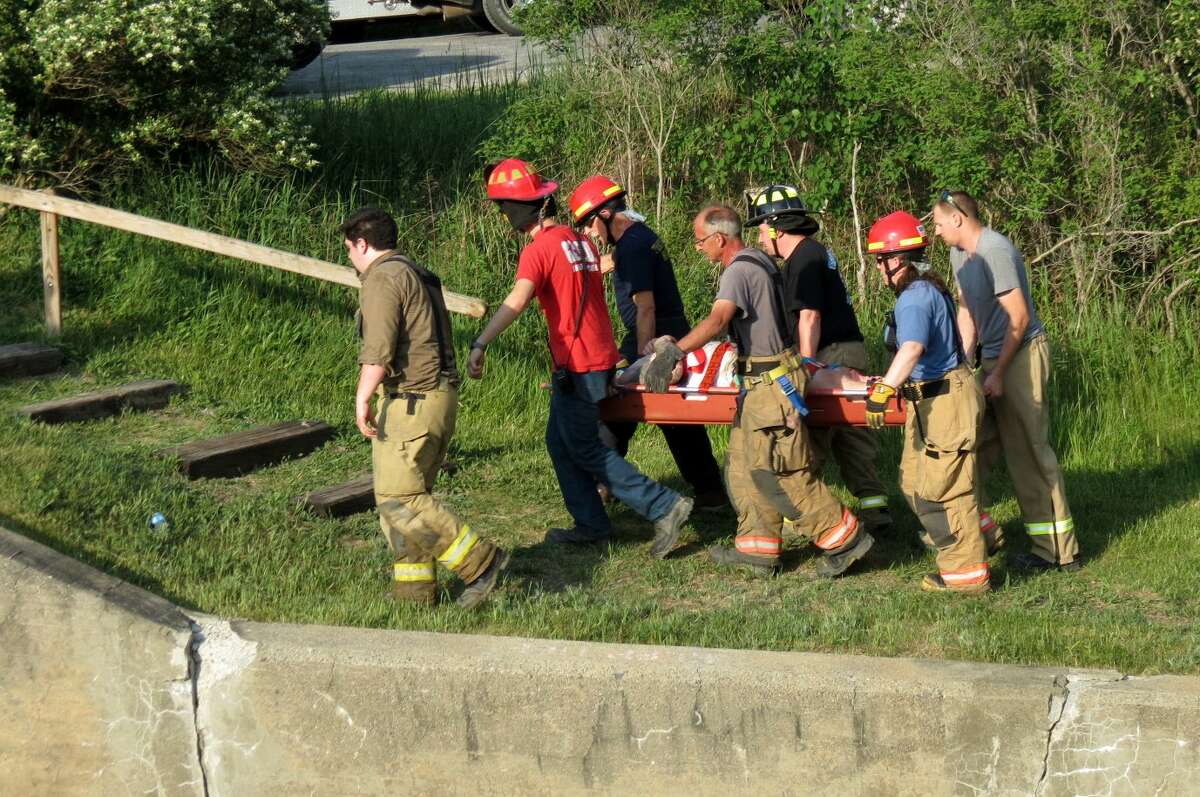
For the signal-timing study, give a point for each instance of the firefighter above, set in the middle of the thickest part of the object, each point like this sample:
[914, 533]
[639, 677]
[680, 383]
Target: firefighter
[996, 313]
[826, 330]
[944, 405]
[769, 467]
[649, 304]
[562, 269]
[407, 363]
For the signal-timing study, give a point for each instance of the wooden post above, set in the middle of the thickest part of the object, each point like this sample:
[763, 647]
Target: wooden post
[50, 274]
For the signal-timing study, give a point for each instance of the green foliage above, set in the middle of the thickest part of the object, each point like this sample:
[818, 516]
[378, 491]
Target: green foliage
[258, 346]
[1075, 124]
[89, 88]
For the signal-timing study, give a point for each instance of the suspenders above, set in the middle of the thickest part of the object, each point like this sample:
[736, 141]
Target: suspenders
[441, 324]
[778, 306]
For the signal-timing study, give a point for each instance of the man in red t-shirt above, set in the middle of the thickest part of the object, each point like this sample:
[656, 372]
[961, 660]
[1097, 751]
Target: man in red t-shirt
[562, 269]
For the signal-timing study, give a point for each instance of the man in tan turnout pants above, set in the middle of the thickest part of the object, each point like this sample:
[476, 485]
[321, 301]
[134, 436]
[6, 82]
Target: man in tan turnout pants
[407, 364]
[769, 466]
[944, 406]
[996, 310]
[826, 330]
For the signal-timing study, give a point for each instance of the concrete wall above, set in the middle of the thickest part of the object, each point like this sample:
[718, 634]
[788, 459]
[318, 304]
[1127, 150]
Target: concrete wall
[95, 684]
[285, 709]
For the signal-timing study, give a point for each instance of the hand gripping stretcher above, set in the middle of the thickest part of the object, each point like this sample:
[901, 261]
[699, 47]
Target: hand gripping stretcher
[707, 393]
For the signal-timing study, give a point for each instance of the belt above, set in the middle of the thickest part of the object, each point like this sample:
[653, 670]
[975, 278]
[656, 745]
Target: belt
[915, 391]
[767, 377]
[770, 370]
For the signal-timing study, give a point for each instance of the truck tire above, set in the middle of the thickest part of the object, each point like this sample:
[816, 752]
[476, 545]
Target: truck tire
[500, 14]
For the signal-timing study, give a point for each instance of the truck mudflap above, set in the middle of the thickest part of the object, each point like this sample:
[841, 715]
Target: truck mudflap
[827, 406]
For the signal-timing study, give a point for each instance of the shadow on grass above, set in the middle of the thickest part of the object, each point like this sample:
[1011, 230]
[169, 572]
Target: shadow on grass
[545, 568]
[1107, 504]
[103, 564]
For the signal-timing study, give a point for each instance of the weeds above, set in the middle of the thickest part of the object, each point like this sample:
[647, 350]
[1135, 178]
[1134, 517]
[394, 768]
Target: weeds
[258, 346]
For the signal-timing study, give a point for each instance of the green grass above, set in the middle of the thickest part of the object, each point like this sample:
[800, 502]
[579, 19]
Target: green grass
[257, 346]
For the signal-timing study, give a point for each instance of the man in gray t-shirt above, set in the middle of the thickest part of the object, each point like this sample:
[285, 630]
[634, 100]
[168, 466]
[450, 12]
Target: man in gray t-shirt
[769, 463]
[984, 277]
[996, 310]
[749, 282]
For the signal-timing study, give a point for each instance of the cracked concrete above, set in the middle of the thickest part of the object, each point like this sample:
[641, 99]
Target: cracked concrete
[108, 690]
[95, 689]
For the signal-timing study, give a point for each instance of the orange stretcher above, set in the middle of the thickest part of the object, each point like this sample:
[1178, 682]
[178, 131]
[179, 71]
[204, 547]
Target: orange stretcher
[718, 405]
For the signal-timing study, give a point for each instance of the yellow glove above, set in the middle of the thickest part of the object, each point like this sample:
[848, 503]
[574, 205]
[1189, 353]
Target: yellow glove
[877, 401]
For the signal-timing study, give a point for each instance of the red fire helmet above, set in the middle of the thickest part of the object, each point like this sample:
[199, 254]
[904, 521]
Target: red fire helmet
[896, 232]
[591, 194]
[515, 179]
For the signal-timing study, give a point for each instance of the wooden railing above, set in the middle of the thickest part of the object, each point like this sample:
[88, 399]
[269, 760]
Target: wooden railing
[51, 207]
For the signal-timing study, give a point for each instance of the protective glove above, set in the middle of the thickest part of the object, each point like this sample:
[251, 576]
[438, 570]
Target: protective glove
[656, 374]
[877, 401]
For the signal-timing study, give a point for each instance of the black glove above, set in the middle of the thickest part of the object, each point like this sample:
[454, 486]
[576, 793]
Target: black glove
[656, 374]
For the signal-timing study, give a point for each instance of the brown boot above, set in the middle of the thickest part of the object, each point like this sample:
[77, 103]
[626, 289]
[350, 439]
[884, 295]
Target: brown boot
[478, 590]
[420, 593]
[934, 583]
[667, 527]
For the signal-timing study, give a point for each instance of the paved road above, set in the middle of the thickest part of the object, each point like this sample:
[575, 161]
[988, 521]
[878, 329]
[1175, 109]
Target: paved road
[450, 59]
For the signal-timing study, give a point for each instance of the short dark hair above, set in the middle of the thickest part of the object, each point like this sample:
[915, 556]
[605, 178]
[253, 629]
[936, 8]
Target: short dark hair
[373, 225]
[959, 202]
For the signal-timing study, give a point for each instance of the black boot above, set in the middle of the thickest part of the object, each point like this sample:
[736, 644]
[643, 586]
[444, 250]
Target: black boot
[834, 564]
[735, 558]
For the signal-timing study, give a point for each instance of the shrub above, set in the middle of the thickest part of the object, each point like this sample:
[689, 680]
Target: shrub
[88, 88]
[1077, 124]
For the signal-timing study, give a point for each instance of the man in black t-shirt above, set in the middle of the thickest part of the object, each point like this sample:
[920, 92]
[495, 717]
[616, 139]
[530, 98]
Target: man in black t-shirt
[826, 330]
[649, 304]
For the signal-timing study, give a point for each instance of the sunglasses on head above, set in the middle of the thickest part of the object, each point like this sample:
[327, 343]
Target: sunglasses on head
[948, 198]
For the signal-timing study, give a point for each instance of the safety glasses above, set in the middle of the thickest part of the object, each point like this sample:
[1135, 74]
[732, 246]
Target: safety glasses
[948, 198]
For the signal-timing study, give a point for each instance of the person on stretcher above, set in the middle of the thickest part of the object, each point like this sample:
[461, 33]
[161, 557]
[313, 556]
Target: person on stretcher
[715, 365]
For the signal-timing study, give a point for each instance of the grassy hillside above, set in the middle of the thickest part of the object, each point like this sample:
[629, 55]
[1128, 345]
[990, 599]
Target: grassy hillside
[257, 347]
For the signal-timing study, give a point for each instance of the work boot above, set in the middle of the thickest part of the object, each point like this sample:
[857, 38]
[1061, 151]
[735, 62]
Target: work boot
[478, 590]
[667, 528]
[406, 593]
[993, 533]
[735, 558]
[1031, 561]
[833, 565]
[606, 496]
[712, 501]
[575, 536]
[934, 583]
[876, 519]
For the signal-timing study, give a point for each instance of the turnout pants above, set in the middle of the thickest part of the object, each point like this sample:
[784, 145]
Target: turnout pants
[414, 433]
[771, 474]
[855, 449]
[937, 477]
[1018, 423]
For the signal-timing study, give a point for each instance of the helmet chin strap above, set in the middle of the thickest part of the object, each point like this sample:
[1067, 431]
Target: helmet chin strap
[774, 237]
[607, 222]
[890, 273]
